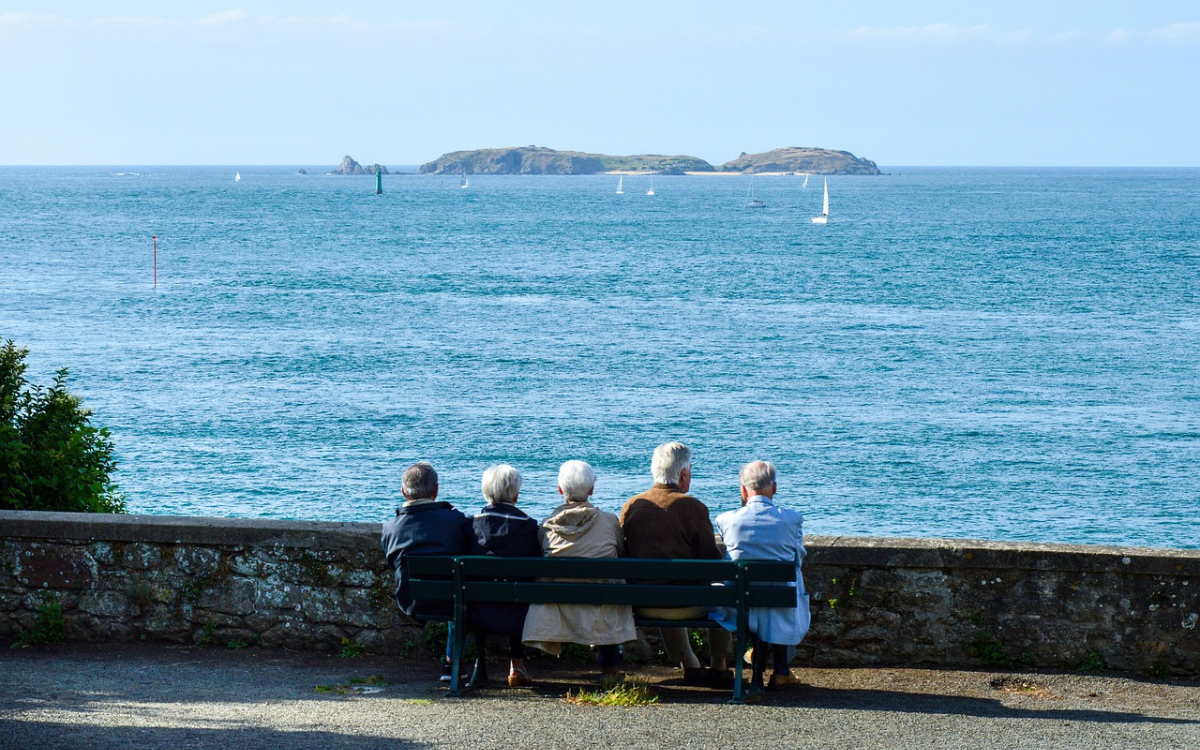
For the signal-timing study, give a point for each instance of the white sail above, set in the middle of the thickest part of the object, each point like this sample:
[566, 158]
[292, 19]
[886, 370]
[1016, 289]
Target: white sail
[651, 190]
[805, 181]
[824, 217]
[464, 183]
[752, 201]
[621, 185]
[237, 176]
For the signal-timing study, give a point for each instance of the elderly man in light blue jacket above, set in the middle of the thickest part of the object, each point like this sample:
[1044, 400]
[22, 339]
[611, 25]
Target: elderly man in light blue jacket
[760, 530]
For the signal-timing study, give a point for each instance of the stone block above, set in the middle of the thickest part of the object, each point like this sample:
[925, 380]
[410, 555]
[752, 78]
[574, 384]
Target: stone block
[55, 567]
[233, 596]
[141, 556]
[104, 604]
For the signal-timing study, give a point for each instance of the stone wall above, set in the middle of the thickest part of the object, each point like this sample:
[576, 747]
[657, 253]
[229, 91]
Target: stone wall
[307, 585]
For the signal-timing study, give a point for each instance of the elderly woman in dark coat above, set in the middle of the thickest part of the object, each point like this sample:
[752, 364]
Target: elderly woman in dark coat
[503, 530]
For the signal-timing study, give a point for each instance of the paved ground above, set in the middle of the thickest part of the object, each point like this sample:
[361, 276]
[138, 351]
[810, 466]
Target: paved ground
[151, 696]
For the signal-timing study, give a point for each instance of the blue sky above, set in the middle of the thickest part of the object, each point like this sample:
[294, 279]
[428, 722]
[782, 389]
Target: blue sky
[914, 83]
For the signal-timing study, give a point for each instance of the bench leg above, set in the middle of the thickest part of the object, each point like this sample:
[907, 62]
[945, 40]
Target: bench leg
[739, 652]
[457, 638]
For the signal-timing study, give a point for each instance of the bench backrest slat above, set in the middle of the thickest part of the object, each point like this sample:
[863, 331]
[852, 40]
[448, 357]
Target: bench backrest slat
[627, 568]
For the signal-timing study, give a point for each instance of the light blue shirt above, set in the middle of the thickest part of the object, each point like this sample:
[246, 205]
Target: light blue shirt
[761, 530]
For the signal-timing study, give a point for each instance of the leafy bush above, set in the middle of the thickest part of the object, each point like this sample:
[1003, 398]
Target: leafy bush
[51, 457]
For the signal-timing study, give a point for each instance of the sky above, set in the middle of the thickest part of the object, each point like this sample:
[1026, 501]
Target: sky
[984, 83]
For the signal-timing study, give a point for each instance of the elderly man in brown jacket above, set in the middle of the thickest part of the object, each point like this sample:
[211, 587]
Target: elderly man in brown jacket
[667, 523]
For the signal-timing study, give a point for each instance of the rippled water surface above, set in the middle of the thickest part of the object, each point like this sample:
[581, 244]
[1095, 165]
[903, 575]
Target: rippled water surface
[1007, 354]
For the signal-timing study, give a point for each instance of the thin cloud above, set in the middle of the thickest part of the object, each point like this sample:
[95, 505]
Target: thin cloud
[233, 15]
[1178, 32]
[932, 32]
[305, 20]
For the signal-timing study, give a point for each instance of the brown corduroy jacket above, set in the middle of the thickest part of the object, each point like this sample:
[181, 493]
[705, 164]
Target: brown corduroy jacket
[665, 522]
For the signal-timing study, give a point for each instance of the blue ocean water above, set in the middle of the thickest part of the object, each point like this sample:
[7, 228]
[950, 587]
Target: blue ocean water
[988, 353]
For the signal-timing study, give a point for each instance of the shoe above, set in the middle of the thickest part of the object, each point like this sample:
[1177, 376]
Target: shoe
[447, 672]
[519, 678]
[748, 659]
[695, 676]
[782, 681]
[718, 678]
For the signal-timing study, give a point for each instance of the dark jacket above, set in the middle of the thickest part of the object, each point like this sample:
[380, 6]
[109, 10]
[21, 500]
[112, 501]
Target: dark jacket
[435, 528]
[502, 530]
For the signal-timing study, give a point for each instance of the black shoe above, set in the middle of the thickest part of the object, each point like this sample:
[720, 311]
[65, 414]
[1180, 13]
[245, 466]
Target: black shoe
[447, 672]
[718, 678]
[695, 676]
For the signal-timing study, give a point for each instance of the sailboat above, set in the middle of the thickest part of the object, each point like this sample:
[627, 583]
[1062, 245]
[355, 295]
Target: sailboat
[237, 176]
[805, 180]
[651, 190]
[824, 217]
[751, 200]
[621, 185]
[464, 183]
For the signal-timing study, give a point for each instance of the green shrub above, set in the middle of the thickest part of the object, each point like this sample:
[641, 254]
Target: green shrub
[51, 457]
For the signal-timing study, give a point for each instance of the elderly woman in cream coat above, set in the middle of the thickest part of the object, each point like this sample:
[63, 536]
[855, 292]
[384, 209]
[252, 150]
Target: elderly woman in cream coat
[579, 529]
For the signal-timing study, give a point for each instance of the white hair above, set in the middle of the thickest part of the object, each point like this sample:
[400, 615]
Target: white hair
[670, 459]
[576, 479]
[501, 484]
[757, 475]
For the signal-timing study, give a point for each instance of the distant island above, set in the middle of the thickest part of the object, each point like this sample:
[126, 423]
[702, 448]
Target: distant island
[349, 166]
[800, 159]
[541, 160]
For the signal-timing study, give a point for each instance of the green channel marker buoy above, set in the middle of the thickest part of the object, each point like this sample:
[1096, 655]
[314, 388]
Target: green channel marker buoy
[379, 183]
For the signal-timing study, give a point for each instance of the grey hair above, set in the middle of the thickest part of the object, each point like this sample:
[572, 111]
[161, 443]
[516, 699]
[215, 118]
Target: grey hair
[670, 459]
[757, 475]
[576, 479]
[501, 484]
[420, 481]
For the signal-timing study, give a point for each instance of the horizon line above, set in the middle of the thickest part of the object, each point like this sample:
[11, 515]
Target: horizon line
[235, 165]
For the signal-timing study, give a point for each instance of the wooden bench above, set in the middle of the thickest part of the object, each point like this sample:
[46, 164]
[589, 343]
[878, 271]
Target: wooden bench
[466, 580]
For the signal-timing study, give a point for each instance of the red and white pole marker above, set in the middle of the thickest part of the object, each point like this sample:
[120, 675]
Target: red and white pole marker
[155, 238]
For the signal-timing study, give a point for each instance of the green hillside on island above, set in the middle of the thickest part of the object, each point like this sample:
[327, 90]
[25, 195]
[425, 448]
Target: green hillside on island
[800, 159]
[541, 160]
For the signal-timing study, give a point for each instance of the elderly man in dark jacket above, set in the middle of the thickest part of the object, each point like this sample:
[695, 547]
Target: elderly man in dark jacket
[503, 530]
[423, 526]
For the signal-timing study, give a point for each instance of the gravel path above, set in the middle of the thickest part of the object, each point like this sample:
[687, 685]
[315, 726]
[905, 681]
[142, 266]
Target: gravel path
[150, 696]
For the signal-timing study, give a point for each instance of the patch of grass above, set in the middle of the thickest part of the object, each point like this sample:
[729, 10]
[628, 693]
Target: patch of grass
[49, 627]
[632, 691]
[1093, 662]
[419, 701]
[1158, 670]
[209, 629]
[236, 645]
[989, 649]
[351, 650]
[372, 680]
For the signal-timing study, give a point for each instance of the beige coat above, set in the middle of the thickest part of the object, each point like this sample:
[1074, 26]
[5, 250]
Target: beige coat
[579, 530]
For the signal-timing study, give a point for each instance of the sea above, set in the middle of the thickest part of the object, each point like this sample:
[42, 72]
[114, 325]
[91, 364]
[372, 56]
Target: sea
[983, 353]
